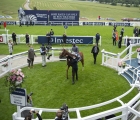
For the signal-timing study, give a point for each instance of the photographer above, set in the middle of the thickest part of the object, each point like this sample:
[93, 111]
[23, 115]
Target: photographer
[28, 104]
[30, 114]
[62, 113]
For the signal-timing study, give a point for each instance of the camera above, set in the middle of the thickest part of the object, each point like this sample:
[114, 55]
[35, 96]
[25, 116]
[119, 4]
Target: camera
[28, 96]
[65, 112]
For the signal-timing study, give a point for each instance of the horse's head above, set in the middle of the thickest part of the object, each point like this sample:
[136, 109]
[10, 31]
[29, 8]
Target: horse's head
[62, 54]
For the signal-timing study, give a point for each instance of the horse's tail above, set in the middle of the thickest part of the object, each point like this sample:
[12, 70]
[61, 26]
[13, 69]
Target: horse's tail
[82, 58]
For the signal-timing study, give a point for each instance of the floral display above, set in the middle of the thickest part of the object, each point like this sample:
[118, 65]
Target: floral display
[122, 64]
[14, 79]
[138, 49]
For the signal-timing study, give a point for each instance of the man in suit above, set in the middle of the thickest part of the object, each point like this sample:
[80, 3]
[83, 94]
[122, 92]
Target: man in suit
[95, 51]
[31, 55]
[97, 38]
[74, 63]
[43, 54]
[14, 38]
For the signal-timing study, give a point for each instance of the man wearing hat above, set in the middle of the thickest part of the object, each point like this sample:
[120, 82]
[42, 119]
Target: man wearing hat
[43, 54]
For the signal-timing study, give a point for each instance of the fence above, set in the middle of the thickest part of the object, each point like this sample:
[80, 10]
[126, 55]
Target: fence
[34, 39]
[124, 111]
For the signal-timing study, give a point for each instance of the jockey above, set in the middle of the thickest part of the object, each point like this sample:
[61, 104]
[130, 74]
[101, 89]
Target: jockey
[75, 51]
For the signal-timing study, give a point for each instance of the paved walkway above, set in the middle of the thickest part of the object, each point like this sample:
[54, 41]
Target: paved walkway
[26, 5]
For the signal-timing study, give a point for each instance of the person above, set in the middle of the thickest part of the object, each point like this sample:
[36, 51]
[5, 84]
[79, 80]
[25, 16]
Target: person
[120, 41]
[97, 38]
[14, 38]
[27, 38]
[28, 104]
[75, 50]
[64, 39]
[20, 24]
[48, 37]
[31, 55]
[27, 23]
[10, 46]
[114, 38]
[128, 43]
[47, 51]
[115, 26]
[134, 32]
[51, 32]
[29, 116]
[74, 64]
[122, 31]
[95, 51]
[117, 37]
[43, 54]
[59, 115]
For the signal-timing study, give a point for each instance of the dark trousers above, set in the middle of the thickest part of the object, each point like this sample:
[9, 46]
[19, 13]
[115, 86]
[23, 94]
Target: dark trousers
[97, 41]
[31, 62]
[114, 41]
[119, 44]
[74, 72]
[94, 56]
[14, 41]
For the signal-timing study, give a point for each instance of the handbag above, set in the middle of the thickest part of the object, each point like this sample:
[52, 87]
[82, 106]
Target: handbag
[28, 60]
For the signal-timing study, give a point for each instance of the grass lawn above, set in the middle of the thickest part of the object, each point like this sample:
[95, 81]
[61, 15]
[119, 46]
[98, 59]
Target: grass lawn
[90, 10]
[51, 89]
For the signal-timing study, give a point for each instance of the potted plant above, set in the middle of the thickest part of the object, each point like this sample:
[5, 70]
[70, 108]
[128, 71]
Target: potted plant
[14, 79]
[121, 66]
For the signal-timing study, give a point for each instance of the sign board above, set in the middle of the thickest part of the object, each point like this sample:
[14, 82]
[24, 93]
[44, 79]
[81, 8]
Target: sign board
[1, 39]
[63, 15]
[18, 97]
[69, 40]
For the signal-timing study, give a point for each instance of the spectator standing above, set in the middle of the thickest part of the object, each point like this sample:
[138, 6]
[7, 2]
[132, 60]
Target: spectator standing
[134, 32]
[14, 38]
[27, 38]
[117, 36]
[74, 62]
[51, 32]
[43, 54]
[31, 55]
[48, 37]
[122, 32]
[28, 104]
[128, 43]
[95, 51]
[120, 41]
[20, 23]
[29, 116]
[64, 39]
[97, 38]
[114, 38]
[137, 32]
[10, 46]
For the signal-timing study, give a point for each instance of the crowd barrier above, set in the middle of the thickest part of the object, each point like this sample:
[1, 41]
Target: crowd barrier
[80, 23]
[34, 39]
[123, 111]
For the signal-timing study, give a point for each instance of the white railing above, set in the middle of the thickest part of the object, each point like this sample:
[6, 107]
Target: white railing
[34, 38]
[133, 40]
[124, 109]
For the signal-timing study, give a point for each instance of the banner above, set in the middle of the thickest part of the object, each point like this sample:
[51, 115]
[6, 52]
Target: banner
[64, 23]
[33, 15]
[63, 15]
[69, 40]
[119, 23]
[94, 23]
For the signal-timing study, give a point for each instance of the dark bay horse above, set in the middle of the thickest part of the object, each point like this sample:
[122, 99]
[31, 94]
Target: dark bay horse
[69, 55]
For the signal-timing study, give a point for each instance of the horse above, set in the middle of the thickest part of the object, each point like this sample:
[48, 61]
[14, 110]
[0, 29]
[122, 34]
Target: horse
[69, 55]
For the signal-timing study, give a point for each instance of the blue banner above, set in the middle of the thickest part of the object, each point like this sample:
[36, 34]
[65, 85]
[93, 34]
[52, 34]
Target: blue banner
[63, 15]
[69, 40]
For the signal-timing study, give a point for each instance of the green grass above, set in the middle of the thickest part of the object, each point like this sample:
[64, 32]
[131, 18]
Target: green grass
[51, 89]
[90, 10]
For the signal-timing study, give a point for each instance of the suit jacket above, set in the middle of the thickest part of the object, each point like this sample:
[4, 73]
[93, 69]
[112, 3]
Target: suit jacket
[31, 53]
[93, 50]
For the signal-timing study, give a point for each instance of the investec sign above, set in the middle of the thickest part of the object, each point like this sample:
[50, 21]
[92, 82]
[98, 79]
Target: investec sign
[69, 40]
